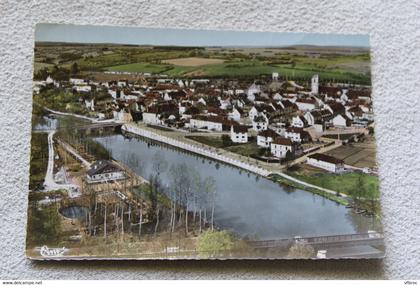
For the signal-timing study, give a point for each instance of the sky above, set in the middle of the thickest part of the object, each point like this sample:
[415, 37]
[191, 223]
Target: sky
[186, 37]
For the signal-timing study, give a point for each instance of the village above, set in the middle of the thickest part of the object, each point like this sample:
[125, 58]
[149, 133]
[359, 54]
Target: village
[314, 135]
[275, 121]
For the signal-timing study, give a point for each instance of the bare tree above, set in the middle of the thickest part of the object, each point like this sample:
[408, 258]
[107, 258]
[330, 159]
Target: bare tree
[210, 189]
[159, 163]
[180, 193]
[140, 220]
[105, 221]
[157, 219]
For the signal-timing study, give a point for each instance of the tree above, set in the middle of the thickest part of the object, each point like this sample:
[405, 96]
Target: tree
[212, 243]
[226, 141]
[159, 166]
[288, 158]
[74, 69]
[60, 74]
[180, 191]
[210, 189]
[42, 74]
[371, 198]
[359, 191]
[159, 163]
[44, 225]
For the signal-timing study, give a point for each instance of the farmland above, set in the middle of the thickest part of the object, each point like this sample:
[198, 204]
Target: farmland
[193, 61]
[359, 155]
[293, 63]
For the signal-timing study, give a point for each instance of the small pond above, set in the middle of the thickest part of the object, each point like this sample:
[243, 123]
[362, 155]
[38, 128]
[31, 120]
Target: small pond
[74, 212]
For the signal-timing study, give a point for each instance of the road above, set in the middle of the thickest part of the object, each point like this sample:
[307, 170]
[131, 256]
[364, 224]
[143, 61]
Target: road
[49, 181]
[93, 120]
[72, 151]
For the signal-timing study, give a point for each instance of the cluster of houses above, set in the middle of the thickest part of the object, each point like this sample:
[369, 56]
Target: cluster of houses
[281, 114]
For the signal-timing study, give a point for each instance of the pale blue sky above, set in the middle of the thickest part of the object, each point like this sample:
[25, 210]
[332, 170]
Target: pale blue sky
[178, 37]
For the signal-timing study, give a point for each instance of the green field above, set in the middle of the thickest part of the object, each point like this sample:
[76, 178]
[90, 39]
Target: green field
[331, 65]
[140, 67]
[245, 149]
[288, 183]
[208, 140]
[244, 68]
[342, 183]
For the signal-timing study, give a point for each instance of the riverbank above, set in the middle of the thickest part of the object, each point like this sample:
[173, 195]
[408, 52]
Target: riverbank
[238, 191]
[195, 149]
[328, 195]
[228, 160]
[275, 176]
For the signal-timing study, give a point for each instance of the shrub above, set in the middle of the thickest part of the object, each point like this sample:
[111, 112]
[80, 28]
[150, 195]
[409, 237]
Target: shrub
[212, 243]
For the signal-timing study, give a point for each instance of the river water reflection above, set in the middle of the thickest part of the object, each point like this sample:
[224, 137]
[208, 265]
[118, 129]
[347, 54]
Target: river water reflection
[246, 204]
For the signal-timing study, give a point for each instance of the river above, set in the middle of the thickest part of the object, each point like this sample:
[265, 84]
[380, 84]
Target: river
[246, 204]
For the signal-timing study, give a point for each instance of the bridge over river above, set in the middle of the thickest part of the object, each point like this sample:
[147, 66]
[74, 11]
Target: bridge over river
[99, 125]
[361, 244]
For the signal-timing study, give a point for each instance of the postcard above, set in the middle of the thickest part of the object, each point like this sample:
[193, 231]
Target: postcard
[198, 144]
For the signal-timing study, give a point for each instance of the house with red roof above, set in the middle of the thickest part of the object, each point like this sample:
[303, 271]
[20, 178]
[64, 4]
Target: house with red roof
[280, 146]
[239, 134]
[326, 162]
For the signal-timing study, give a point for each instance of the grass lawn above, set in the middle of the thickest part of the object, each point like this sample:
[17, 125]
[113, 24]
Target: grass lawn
[340, 182]
[245, 149]
[283, 181]
[140, 67]
[207, 140]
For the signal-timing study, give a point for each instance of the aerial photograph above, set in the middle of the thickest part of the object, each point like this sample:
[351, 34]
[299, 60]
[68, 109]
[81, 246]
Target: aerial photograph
[188, 144]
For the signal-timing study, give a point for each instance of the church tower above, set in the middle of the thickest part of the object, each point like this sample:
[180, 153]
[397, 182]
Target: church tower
[315, 84]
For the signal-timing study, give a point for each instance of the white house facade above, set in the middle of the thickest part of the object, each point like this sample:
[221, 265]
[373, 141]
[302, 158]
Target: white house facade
[299, 122]
[340, 121]
[234, 115]
[296, 135]
[239, 134]
[203, 124]
[265, 138]
[103, 171]
[280, 146]
[77, 81]
[252, 91]
[151, 118]
[326, 162]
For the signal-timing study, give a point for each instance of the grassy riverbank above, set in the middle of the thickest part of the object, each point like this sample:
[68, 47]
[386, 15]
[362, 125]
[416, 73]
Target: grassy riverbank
[342, 183]
[283, 181]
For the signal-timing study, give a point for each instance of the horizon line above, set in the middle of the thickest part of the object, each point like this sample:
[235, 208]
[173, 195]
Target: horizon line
[211, 46]
[123, 35]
